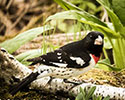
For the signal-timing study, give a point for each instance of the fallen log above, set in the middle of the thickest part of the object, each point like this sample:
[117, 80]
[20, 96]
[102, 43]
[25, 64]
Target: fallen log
[10, 67]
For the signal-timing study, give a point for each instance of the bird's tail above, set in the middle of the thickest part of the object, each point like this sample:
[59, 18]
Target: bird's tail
[34, 60]
[23, 83]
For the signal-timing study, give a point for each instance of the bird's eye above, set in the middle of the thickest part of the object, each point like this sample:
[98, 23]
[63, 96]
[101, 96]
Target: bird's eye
[90, 36]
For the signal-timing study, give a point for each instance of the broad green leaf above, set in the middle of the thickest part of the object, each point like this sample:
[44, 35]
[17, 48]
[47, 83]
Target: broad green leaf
[103, 66]
[114, 18]
[108, 32]
[62, 15]
[27, 55]
[13, 44]
[119, 52]
[86, 18]
[119, 9]
[77, 15]
[90, 92]
[106, 65]
[105, 61]
[70, 6]
[89, 17]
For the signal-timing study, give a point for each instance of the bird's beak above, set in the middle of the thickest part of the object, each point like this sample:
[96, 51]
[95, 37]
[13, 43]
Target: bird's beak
[98, 41]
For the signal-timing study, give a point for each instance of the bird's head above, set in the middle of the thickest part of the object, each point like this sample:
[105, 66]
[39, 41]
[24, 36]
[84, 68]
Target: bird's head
[94, 42]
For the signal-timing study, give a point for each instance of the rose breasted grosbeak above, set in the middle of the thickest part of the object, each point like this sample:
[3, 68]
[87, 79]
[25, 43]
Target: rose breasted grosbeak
[68, 61]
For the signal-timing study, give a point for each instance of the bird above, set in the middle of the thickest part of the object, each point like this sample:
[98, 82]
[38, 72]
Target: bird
[68, 61]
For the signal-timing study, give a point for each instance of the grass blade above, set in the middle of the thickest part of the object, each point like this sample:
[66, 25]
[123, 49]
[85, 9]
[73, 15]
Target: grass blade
[90, 92]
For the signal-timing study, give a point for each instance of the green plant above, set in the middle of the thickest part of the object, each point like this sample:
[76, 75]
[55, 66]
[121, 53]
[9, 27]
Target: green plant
[15, 43]
[87, 5]
[114, 32]
[89, 94]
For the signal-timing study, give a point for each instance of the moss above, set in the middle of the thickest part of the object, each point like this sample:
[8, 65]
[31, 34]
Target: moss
[27, 94]
[100, 76]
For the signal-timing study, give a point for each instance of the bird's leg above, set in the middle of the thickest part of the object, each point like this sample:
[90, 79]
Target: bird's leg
[78, 82]
[91, 80]
[51, 78]
[73, 81]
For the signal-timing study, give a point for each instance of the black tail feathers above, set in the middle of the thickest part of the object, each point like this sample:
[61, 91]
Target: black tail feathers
[34, 60]
[23, 83]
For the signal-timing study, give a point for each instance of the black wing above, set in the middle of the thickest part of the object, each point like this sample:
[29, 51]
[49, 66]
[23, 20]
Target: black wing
[60, 57]
[48, 58]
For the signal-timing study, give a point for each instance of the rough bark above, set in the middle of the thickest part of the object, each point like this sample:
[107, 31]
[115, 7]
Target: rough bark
[10, 67]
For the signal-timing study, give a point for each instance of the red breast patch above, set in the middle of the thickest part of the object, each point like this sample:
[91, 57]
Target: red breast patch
[96, 59]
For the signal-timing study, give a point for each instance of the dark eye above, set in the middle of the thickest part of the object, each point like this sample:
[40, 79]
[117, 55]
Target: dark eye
[90, 36]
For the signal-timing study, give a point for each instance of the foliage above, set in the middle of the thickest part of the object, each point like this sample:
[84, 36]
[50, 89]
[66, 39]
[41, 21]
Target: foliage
[70, 26]
[89, 94]
[15, 43]
[118, 7]
[88, 5]
[114, 32]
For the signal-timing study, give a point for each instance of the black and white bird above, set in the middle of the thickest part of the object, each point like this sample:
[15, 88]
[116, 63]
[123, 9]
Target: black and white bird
[68, 61]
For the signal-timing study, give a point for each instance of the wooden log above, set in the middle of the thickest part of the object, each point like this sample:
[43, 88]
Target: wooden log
[7, 61]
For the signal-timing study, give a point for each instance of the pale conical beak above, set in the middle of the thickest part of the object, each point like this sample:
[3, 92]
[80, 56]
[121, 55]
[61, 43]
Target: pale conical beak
[98, 41]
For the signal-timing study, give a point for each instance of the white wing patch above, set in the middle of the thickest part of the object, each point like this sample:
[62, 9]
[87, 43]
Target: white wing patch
[59, 57]
[78, 60]
[58, 54]
[59, 64]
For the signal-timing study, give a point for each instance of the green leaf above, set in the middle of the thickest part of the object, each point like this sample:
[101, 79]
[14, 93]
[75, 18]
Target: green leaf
[94, 97]
[13, 44]
[105, 30]
[79, 97]
[62, 15]
[70, 6]
[86, 18]
[119, 9]
[83, 93]
[90, 92]
[67, 5]
[114, 18]
[106, 65]
[107, 98]
[93, 20]
[99, 98]
[107, 44]
[27, 55]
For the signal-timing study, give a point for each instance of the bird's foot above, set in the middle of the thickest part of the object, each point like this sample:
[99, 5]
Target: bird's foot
[78, 81]
[91, 80]
[51, 78]
[73, 81]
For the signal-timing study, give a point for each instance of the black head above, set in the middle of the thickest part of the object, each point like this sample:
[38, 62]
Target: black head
[94, 42]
